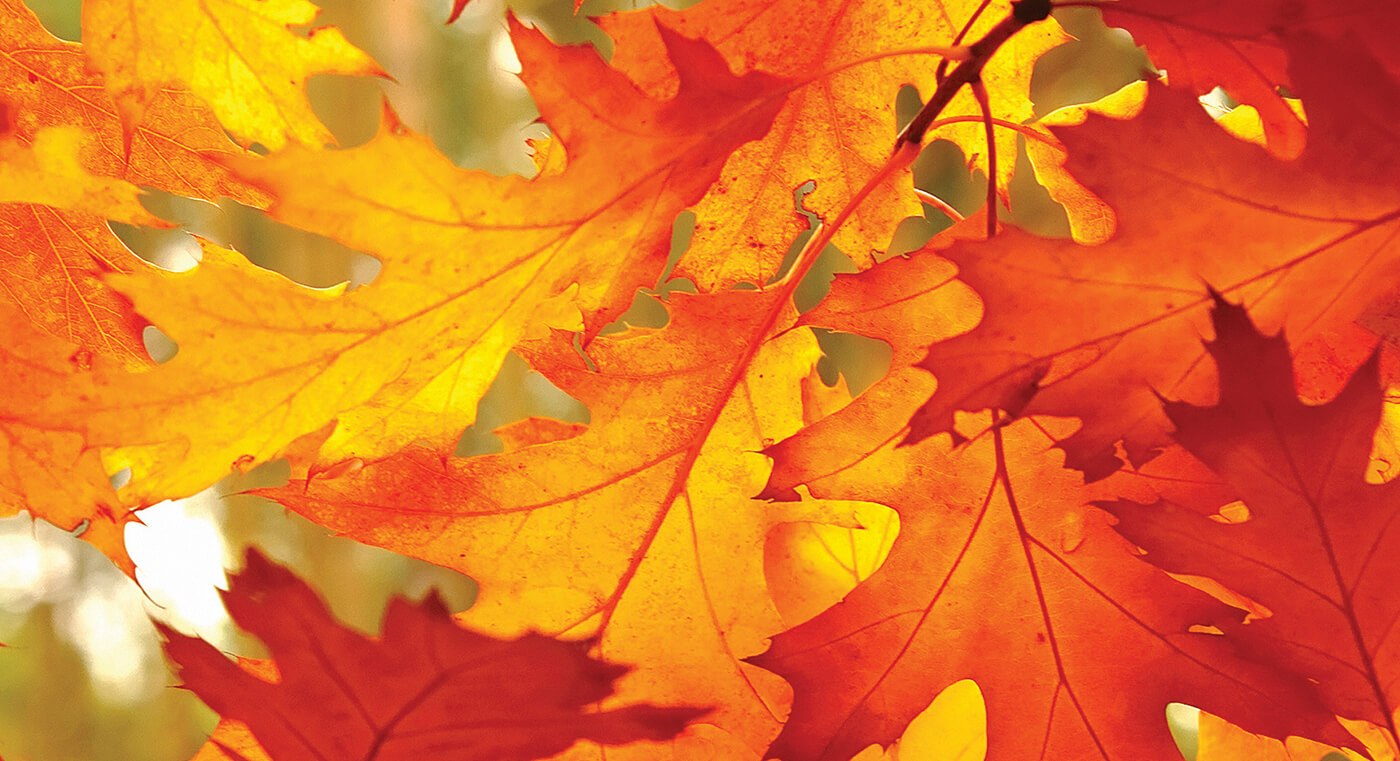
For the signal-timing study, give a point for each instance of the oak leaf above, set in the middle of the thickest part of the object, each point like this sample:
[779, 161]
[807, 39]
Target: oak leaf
[56, 253]
[1312, 243]
[1034, 598]
[244, 58]
[640, 531]
[46, 467]
[846, 61]
[425, 686]
[1001, 576]
[472, 262]
[1315, 550]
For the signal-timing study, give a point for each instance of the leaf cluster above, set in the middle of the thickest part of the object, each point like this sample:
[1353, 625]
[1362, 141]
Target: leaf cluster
[1057, 512]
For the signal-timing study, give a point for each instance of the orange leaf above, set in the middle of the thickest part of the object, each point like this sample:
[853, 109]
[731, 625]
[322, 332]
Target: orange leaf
[1221, 741]
[999, 575]
[426, 686]
[56, 253]
[847, 61]
[1316, 548]
[47, 467]
[1034, 598]
[638, 531]
[472, 263]
[1312, 243]
[1242, 47]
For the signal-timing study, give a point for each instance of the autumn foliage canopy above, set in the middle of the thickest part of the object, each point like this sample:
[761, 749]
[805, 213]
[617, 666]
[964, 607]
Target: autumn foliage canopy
[1147, 463]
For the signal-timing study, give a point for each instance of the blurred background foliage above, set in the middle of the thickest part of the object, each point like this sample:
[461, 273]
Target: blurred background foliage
[81, 674]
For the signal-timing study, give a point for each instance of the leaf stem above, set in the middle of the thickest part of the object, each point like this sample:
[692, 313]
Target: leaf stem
[969, 72]
[962, 33]
[1023, 13]
[985, 103]
[940, 204]
[1024, 129]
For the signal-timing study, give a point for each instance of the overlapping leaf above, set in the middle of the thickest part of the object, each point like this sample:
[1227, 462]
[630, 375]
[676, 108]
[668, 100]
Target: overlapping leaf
[1241, 48]
[243, 57]
[639, 531]
[425, 687]
[52, 214]
[1310, 244]
[1077, 646]
[998, 574]
[176, 147]
[471, 261]
[57, 241]
[47, 467]
[952, 728]
[67, 171]
[1316, 548]
[1219, 740]
[847, 61]
[47, 171]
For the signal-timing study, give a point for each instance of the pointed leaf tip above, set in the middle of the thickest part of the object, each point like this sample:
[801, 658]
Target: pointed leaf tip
[523, 699]
[457, 7]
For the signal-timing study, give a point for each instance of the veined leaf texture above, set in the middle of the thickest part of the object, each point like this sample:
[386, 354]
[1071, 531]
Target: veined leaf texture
[1143, 463]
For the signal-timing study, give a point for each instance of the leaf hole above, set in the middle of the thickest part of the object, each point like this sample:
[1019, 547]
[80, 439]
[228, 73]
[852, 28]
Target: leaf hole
[648, 309]
[1218, 103]
[519, 394]
[312, 260]
[63, 18]
[349, 106]
[1184, 723]
[941, 171]
[860, 360]
[1254, 611]
[1235, 512]
[171, 250]
[161, 347]
[1099, 60]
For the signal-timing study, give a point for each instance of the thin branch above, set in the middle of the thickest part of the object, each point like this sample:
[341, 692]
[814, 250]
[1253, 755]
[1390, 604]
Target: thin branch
[969, 72]
[1023, 13]
[985, 103]
[966, 27]
[1025, 129]
[940, 204]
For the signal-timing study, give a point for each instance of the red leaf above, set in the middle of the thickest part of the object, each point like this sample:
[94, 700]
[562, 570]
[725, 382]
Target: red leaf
[426, 688]
[1320, 549]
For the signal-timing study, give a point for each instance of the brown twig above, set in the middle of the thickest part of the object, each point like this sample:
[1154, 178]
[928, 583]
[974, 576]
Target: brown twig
[1023, 13]
[969, 72]
[985, 102]
[966, 27]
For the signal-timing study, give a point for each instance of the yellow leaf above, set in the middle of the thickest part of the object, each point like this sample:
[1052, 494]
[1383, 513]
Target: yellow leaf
[242, 56]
